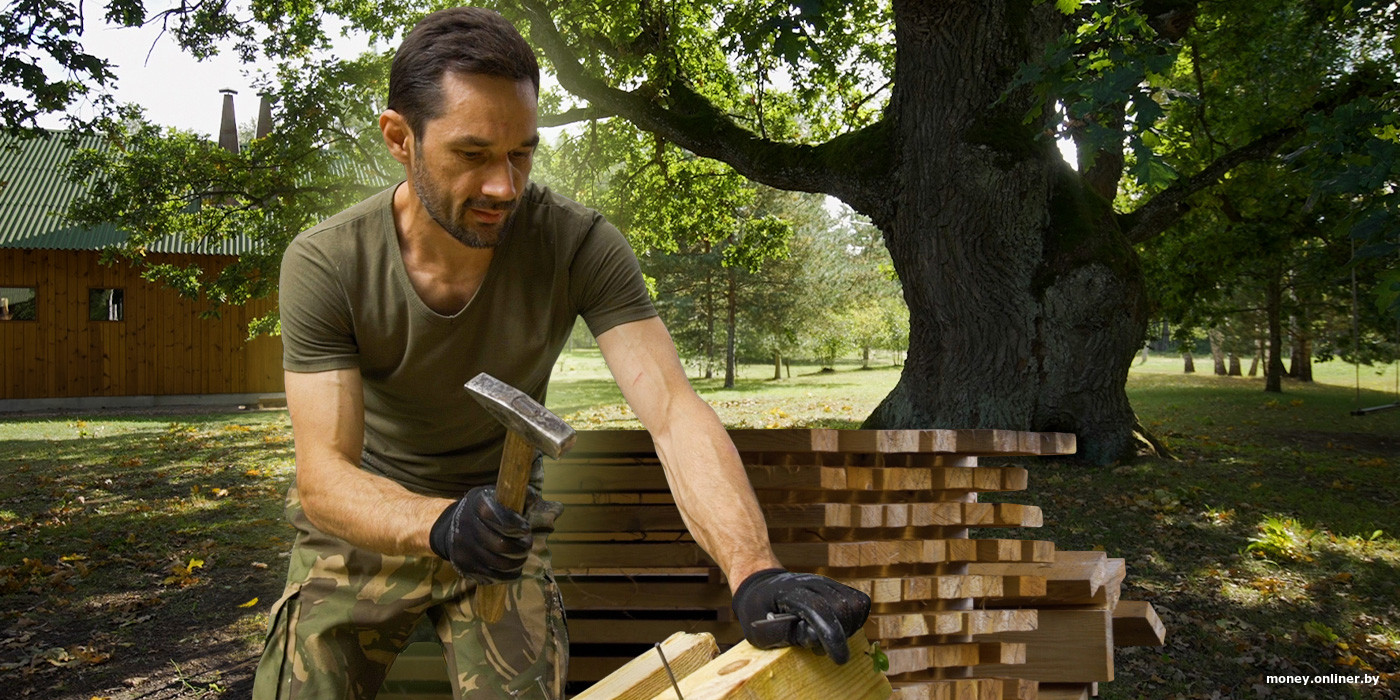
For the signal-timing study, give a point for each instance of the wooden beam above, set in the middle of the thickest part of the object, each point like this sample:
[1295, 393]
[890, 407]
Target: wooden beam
[961, 623]
[1072, 578]
[581, 593]
[746, 673]
[634, 631]
[1070, 645]
[799, 440]
[645, 676]
[951, 689]
[1135, 624]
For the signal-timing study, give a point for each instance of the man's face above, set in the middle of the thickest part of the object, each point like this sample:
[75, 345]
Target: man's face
[471, 163]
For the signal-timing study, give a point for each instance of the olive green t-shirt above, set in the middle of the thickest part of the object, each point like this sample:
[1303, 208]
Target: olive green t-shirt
[346, 302]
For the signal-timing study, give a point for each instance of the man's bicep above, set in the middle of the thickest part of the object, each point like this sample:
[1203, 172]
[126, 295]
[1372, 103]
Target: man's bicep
[328, 420]
[644, 362]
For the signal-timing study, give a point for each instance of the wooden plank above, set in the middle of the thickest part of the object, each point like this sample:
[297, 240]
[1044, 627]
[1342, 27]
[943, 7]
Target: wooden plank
[634, 631]
[951, 689]
[1070, 645]
[961, 623]
[1117, 571]
[1066, 691]
[949, 587]
[1073, 578]
[1136, 624]
[419, 671]
[782, 674]
[624, 555]
[961, 442]
[994, 550]
[632, 513]
[646, 677]
[921, 658]
[746, 440]
[587, 595]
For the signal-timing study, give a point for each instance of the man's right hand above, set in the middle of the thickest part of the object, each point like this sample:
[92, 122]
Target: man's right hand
[484, 540]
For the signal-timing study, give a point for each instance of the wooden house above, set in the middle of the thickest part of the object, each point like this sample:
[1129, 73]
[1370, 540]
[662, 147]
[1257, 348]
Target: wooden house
[75, 333]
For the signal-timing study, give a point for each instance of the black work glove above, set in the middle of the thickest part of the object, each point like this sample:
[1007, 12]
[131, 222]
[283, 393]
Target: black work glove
[484, 540]
[829, 612]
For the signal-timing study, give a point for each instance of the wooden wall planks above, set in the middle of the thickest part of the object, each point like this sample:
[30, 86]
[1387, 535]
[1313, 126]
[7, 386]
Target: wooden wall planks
[161, 347]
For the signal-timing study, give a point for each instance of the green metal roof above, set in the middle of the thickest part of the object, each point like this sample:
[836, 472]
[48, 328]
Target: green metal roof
[36, 192]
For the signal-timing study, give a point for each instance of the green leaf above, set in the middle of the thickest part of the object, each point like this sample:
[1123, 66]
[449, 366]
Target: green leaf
[1068, 7]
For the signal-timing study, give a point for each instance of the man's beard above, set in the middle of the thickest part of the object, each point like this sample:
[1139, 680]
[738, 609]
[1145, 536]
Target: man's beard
[437, 204]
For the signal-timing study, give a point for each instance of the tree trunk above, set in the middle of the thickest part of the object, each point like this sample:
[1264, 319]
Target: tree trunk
[1217, 350]
[1300, 365]
[1026, 301]
[731, 300]
[1190, 363]
[709, 326]
[1254, 365]
[777, 364]
[1143, 361]
[1234, 365]
[865, 357]
[1273, 306]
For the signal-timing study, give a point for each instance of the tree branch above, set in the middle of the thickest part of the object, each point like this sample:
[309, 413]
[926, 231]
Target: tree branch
[1165, 209]
[849, 167]
[573, 116]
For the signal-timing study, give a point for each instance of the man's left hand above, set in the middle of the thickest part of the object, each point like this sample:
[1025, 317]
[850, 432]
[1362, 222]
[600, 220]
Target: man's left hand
[829, 611]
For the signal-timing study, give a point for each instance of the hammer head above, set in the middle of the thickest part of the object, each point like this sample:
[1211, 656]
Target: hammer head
[517, 411]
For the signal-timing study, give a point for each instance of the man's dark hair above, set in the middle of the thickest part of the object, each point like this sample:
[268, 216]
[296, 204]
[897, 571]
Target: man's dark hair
[469, 40]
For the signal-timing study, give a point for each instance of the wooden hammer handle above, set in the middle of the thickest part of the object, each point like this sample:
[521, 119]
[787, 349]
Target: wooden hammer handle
[512, 484]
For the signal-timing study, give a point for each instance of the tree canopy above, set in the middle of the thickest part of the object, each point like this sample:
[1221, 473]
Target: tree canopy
[1026, 292]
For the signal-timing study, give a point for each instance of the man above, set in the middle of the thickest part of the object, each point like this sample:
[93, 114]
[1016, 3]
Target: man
[388, 308]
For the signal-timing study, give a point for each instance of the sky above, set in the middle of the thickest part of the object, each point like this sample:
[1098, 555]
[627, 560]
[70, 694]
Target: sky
[174, 88]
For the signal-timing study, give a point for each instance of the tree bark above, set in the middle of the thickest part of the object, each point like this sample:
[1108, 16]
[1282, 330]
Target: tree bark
[1217, 350]
[1234, 365]
[1190, 363]
[1273, 305]
[709, 327]
[1026, 302]
[777, 364]
[1300, 362]
[731, 299]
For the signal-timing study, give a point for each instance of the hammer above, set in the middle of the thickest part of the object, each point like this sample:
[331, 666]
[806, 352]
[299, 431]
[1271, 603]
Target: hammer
[528, 426]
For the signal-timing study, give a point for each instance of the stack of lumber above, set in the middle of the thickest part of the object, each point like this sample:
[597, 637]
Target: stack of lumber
[888, 512]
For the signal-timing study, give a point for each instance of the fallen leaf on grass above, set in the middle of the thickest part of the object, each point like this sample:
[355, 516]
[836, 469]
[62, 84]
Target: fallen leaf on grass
[249, 604]
[183, 574]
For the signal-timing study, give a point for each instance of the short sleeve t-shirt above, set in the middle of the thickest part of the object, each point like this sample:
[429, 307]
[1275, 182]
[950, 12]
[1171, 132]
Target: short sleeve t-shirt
[346, 302]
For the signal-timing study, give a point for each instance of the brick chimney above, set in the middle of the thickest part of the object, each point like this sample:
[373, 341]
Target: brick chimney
[264, 116]
[228, 129]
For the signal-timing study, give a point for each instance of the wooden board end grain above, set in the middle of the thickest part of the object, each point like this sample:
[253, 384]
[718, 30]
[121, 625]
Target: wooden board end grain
[1135, 624]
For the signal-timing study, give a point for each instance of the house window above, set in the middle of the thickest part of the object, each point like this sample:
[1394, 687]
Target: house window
[105, 304]
[18, 303]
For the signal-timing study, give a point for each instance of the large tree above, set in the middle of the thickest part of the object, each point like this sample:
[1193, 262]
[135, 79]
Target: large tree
[936, 120]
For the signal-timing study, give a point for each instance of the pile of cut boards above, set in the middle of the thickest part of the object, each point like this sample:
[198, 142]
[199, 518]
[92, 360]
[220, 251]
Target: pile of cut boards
[888, 512]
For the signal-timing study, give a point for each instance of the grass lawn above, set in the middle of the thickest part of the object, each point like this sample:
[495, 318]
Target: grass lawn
[141, 552]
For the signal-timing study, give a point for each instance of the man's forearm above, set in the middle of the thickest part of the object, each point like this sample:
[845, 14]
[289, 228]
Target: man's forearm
[367, 510]
[712, 491]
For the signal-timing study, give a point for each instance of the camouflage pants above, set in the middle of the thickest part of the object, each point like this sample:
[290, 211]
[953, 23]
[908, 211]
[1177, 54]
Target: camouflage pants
[346, 613]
